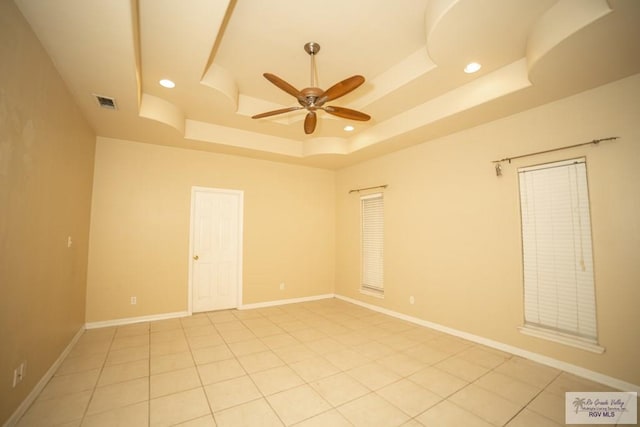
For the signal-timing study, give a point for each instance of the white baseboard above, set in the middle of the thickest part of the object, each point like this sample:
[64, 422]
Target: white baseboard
[164, 316]
[31, 397]
[284, 301]
[139, 319]
[545, 360]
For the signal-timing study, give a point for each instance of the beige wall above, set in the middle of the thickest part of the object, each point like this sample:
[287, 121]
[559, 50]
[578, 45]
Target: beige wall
[452, 237]
[140, 227]
[46, 165]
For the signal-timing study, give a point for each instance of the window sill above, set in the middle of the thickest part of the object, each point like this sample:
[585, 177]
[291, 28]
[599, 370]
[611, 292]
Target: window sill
[372, 293]
[562, 338]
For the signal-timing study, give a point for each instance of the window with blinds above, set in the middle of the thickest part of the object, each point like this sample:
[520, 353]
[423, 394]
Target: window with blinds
[559, 294]
[372, 243]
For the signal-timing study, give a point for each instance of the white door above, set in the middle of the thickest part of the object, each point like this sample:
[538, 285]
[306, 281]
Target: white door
[216, 249]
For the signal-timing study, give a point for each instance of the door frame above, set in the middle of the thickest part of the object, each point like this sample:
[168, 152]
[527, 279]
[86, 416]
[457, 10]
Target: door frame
[240, 195]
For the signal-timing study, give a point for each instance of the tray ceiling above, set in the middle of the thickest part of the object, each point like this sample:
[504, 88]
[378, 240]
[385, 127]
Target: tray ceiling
[411, 52]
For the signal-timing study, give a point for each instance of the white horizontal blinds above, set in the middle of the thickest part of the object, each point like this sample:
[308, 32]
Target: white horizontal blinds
[556, 233]
[372, 222]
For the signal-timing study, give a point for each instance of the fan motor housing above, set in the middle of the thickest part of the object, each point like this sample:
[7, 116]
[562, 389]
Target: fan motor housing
[311, 95]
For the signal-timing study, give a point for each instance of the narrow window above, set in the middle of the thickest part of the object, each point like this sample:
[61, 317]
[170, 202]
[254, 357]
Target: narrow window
[559, 294]
[372, 243]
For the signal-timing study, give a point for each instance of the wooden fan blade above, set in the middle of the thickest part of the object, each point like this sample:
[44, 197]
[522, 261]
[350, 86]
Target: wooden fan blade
[274, 112]
[340, 89]
[310, 122]
[347, 113]
[284, 85]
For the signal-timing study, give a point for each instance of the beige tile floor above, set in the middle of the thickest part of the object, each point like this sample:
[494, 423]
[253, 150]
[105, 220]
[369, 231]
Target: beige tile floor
[322, 363]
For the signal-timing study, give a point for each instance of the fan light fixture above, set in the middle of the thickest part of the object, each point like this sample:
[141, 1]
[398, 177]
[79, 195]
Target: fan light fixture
[313, 98]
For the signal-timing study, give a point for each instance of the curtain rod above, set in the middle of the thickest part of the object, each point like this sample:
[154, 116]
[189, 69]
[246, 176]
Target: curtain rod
[595, 141]
[357, 190]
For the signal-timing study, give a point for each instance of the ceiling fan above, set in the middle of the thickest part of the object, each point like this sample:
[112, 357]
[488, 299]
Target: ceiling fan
[313, 98]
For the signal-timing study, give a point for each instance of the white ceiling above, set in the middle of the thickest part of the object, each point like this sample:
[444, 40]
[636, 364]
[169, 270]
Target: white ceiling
[412, 53]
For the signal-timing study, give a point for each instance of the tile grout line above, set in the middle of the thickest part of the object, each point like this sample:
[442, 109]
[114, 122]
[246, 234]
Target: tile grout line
[95, 386]
[523, 407]
[264, 397]
[534, 398]
[195, 366]
[487, 373]
[235, 357]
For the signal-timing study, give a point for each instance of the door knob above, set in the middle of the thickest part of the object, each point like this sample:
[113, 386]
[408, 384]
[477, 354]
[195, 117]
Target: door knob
[196, 257]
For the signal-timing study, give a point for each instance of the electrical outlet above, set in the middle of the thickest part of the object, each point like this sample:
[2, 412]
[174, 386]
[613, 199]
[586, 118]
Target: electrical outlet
[134, 300]
[412, 300]
[282, 286]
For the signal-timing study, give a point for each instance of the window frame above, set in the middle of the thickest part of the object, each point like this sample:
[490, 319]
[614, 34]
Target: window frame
[372, 245]
[545, 253]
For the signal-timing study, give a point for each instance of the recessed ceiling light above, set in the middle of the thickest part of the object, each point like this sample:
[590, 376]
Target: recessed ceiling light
[167, 83]
[472, 67]
[348, 128]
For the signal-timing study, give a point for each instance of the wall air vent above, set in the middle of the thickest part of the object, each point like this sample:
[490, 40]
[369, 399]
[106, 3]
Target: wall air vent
[106, 102]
